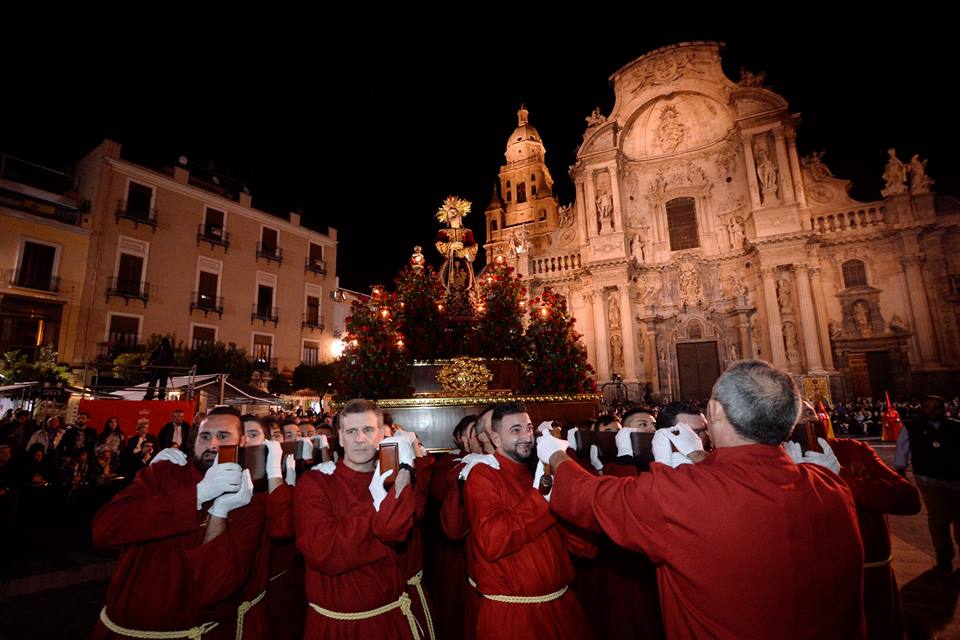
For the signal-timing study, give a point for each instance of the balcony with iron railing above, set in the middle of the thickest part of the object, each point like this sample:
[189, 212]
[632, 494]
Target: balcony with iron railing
[312, 321]
[198, 343]
[265, 314]
[128, 290]
[264, 361]
[206, 303]
[213, 234]
[38, 282]
[316, 266]
[137, 215]
[269, 253]
[118, 343]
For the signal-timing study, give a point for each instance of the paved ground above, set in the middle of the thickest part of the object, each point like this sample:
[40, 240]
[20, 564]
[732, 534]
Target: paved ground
[57, 594]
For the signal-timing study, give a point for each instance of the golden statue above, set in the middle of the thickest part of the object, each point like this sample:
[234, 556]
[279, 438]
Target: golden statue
[459, 249]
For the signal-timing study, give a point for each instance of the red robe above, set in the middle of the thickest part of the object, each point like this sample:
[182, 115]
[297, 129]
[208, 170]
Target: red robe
[456, 527]
[521, 551]
[350, 552]
[410, 553]
[877, 490]
[166, 579]
[748, 544]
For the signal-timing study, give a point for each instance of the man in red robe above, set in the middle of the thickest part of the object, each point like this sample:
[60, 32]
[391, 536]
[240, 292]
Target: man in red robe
[188, 535]
[877, 490]
[748, 543]
[523, 567]
[348, 528]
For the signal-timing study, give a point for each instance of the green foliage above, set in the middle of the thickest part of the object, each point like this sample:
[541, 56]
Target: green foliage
[417, 313]
[17, 368]
[498, 332]
[216, 357]
[556, 360]
[315, 377]
[374, 361]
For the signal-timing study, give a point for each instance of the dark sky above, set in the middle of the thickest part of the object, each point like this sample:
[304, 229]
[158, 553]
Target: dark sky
[366, 118]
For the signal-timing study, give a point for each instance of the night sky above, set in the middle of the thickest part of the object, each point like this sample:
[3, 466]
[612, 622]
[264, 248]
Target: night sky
[366, 118]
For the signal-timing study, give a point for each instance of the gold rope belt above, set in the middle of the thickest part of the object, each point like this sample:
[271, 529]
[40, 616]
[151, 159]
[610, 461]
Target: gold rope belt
[416, 582]
[521, 599]
[880, 563]
[242, 611]
[195, 633]
[403, 603]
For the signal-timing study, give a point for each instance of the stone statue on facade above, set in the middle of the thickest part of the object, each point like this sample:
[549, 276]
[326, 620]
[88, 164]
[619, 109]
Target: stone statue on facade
[637, 246]
[861, 319]
[565, 214]
[898, 326]
[751, 79]
[894, 175]
[785, 295]
[604, 203]
[767, 174]
[616, 353]
[691, 291]
[737, 232]
[595, 119]
[814, 163]
[920, 182]
[790, 341]
[613, 313]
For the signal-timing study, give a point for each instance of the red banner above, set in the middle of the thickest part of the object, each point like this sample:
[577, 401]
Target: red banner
[128, 412]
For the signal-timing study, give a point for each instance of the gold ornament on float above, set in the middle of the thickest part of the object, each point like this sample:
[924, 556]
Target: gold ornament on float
[464, 376]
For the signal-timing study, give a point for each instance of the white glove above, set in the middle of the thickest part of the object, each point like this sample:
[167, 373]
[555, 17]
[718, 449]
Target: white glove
[324, 467]
[545, 427]
[219, 479]
[684, 439]
[536, 482]
[662, 450]
[826, 459]
[405, 452]
[677, 459]
[377, 491]
[274, 459]
[624, 446]
[320, 442]
[170, 454]
[547, 445]
[473, 459]
[307, 448]
[572, 439]
[595, 457]
[290, 471]
[230, 501]
[794, 450]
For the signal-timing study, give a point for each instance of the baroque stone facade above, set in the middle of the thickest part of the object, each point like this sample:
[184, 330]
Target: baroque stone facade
[699, 236]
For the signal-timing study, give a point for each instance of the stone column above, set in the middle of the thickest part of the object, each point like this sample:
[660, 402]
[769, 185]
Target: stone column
[820, 308]
[808, 320]
[585, 320]
[743, 329]
[795, 168]
[629, 345]
[618, 217]
[590, 206]
[783, 164]
[600, 335]
[775, 330]
[751, 171]
[922, 322]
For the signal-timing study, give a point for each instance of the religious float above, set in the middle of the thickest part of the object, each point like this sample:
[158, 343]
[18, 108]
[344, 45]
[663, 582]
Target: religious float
[444, 343]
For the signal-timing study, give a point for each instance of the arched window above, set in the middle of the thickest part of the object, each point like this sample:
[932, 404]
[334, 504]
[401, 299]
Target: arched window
[682, 223]
[854, 273]
[521, 192]
[493, 225]
[509, 196]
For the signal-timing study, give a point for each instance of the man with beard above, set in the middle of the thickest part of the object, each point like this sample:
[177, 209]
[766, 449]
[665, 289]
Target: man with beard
[523, 568]
[188, 536]
[349, 527]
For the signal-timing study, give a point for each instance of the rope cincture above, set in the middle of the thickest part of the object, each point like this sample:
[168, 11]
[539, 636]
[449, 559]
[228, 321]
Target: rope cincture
[242, 611]
[194, 633]
[521, 599]
[879, 563]
[402, 603]
[416, 582]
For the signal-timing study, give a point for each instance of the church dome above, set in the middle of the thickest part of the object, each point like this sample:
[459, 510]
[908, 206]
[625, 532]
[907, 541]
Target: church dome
[524, 135]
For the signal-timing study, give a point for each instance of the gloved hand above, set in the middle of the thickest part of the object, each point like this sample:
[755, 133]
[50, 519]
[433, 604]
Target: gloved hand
[227, 502]
[662, 449]
[473, 459]
[324, 467]
[274, 459]
[595, 457]
[219, 479]
[794, 450]
[547, 445]
[170, 454]
[320, 442]
[826, 459]
[572, 439]
[377, 491]
[307, 448]
[290, 471]
[624, 446]
[677, 459]
[536, 481]
[545, 427]
[405, 451]
[684, 439]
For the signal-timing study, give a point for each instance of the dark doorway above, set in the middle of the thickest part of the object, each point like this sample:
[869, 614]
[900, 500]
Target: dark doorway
[881, 373]
[698, 367]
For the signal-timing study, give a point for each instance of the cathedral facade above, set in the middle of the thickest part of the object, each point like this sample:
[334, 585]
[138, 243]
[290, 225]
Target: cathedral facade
[699, 236]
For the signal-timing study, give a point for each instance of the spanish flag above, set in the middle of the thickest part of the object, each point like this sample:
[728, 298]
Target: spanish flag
[825, 419]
